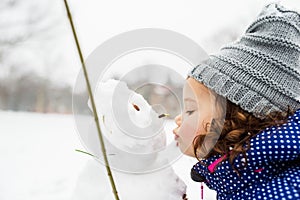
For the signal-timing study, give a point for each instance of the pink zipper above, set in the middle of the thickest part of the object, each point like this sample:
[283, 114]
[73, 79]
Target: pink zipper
[201, 191]
[213, 165]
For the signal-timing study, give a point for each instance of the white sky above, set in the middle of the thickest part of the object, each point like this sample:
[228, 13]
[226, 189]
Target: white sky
[97, 21]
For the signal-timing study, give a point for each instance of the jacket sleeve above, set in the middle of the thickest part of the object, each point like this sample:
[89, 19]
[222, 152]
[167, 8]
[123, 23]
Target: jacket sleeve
[277, 144]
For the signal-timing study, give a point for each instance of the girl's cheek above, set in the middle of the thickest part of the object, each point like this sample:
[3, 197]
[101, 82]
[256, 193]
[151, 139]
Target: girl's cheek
[187, 131]
[190, 125]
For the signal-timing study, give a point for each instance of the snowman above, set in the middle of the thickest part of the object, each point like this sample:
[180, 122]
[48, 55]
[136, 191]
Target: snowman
[135, 142]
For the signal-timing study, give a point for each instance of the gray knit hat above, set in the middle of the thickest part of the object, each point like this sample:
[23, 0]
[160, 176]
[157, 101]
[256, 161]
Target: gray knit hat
[260, 72]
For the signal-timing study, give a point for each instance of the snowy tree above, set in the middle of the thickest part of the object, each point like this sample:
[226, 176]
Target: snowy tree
[29, 32]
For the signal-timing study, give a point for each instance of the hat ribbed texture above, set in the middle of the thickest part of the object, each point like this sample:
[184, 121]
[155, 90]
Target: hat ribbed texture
[260, 72]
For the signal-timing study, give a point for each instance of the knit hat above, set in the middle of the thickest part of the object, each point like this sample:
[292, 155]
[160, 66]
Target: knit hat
[260, 72]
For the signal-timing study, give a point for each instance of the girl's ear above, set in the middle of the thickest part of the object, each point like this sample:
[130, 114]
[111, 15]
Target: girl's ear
[207, 126]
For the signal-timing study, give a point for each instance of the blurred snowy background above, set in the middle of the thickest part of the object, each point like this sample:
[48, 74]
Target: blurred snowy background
[39, 65]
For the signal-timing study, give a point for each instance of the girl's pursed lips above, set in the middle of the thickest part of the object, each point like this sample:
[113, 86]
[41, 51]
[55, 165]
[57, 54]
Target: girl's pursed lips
[176, 136]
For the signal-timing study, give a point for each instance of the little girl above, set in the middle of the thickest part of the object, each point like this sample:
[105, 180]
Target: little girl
[241, 116]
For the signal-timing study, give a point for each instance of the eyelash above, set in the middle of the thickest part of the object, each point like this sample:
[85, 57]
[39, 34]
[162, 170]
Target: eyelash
[190, 112]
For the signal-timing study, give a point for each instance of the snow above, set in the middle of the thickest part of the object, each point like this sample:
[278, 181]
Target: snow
[39, 161]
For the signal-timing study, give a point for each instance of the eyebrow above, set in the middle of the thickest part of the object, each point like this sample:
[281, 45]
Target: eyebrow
[189, 99]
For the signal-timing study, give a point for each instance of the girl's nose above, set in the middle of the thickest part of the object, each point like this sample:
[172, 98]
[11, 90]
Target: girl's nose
[178, 120]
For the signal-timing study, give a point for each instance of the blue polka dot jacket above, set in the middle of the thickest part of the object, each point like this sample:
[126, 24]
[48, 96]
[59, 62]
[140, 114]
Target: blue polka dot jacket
[272, 172]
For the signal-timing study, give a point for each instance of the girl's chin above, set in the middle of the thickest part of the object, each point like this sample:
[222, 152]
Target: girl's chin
[190, 154]
[186, 151]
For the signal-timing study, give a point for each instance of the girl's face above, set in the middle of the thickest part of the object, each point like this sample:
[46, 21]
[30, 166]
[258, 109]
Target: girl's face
[196, 117]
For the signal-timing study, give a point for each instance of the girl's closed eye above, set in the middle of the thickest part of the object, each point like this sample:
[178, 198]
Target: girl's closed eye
[189, 112]
[190, 105]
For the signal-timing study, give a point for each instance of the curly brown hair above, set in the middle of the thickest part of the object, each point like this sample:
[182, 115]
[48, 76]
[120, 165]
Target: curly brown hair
[235, 132]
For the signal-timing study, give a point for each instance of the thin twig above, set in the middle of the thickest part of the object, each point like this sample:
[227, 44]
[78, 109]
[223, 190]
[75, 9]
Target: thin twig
[78, 150]
[93, 103]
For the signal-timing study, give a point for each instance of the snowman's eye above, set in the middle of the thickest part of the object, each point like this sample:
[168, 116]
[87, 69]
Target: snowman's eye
[136, 107]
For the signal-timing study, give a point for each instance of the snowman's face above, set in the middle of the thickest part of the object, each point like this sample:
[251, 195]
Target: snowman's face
[196, 117]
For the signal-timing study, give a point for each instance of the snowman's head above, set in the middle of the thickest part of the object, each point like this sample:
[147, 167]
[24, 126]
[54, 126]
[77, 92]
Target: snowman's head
[127, 120]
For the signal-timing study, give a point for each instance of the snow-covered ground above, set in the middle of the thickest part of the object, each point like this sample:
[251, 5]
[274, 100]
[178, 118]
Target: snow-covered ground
[39, 161]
